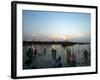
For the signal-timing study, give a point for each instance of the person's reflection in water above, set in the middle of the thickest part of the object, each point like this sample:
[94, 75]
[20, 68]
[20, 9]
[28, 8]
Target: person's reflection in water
[59, 62]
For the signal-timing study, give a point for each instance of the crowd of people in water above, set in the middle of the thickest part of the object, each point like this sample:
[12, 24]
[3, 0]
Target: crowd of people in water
[71, 57]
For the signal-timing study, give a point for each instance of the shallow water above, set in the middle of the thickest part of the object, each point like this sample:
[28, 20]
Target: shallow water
[42, 60]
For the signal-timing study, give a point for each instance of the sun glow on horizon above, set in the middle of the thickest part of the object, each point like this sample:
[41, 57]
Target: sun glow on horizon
[58, 37]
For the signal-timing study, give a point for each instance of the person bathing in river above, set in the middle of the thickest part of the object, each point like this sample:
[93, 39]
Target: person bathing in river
[73, 59]
[86, 55]
[53, 52]
[30, 53]
[68, 56]
[35, 51]
[29, 56]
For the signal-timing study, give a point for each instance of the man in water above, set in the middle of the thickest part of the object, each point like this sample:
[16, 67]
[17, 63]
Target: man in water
[73, 60]
[29, 56]
[68, 56]
[35, 51]
[85, 55]
[30, 53]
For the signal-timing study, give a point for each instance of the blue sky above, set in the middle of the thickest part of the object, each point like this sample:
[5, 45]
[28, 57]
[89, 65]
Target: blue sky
[43, 25]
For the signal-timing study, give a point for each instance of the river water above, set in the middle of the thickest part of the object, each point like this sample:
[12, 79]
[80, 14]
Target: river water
[42, 60]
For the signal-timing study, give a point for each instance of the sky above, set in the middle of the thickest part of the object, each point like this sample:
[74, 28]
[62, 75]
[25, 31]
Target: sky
[48, 25]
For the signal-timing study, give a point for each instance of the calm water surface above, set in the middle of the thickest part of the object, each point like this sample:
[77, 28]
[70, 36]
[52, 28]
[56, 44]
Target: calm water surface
[42, 60]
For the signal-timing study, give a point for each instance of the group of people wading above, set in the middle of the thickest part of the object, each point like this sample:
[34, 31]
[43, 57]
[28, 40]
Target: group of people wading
[58, 62]
[30, 54]
[71, 57]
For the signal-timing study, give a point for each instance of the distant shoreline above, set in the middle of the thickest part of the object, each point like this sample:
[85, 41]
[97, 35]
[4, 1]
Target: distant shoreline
[63, 43]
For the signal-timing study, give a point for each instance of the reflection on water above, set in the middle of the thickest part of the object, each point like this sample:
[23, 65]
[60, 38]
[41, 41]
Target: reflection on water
[50, 56]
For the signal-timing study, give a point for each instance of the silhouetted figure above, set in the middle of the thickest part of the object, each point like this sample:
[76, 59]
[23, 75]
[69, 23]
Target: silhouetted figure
[29, 56]
[30, 53]
[86, 55]
[68, 56]
[55, 51]
[52, 51]
[73, 59]
[35, 51]
[59, 62]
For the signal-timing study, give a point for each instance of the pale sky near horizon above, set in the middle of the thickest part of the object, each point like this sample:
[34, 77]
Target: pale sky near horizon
[43, 25]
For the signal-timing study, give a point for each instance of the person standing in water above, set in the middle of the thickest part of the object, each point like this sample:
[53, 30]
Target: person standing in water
[30, 53]
[68, 56]
[29, 56]
[73, 59]
[35, 51]
[85, 55]
[53, 52]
